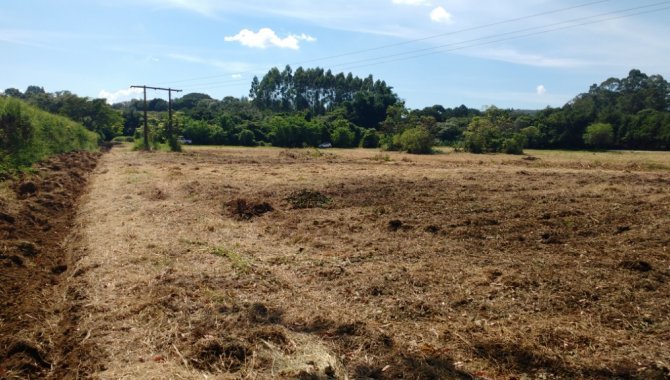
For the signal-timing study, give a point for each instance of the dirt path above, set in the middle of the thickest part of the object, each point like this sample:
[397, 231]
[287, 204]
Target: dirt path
[268, 263]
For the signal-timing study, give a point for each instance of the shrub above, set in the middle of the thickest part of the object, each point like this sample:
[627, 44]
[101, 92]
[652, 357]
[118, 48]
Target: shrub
[370, 139]
[513, 145]
[416, 140]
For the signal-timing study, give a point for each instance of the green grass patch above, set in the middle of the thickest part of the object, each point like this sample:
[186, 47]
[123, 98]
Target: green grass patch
[237, 261]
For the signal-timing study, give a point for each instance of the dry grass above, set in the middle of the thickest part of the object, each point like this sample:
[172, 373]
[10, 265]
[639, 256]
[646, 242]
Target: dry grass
[444, 266]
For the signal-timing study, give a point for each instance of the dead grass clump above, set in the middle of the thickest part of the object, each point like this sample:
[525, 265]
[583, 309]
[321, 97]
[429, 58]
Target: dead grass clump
[307, 199]
[243, 209]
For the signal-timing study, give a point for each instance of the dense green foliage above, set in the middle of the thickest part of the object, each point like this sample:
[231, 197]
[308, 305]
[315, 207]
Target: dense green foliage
[28, 134]
[309, 107]
[364, 101]
[599, 135]
[417, 140]
[495, 132]
[637, 107]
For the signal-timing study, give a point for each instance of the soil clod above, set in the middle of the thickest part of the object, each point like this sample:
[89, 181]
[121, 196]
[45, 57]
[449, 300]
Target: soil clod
[243, 209]
[394, 225]
[27, 188]
[636, 265]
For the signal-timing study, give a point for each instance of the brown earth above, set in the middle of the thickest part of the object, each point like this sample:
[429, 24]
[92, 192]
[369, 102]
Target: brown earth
[38, 311]
[267, 263]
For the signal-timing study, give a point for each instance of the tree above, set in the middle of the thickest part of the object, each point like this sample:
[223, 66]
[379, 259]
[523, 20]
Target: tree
[481, 136]
[599, 135]
[131, 121]
[13, 92]
[246, 138]
[32, 91]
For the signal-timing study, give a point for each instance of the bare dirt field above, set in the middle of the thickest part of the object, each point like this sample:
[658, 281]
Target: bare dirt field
[267, 263]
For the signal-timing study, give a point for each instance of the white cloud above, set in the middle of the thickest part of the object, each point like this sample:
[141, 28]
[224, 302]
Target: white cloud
[541, 90]
[236, 76]
[411, 2]
[266, 37]
[116, 96]
[440, 14]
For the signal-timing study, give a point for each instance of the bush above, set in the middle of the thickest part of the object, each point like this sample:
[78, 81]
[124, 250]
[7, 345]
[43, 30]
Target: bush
[513, 145]
[416, 140]
[370, 139]
[599, 135]
[342, 137]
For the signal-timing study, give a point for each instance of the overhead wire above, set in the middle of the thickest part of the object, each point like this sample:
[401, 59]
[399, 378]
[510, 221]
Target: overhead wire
[459, 45]
[475, 42]
[539, 30]
[406, 42]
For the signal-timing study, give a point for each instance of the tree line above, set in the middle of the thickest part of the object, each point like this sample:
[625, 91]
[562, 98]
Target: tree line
[308, 107]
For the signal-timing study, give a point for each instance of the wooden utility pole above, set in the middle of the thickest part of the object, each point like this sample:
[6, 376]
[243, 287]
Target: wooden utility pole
[146, 127]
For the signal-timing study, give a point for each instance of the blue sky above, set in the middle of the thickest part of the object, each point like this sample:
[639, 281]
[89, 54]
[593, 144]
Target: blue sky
[522, 54]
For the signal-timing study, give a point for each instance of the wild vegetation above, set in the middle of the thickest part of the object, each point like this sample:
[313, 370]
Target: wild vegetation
[308, 107]
[29, 134]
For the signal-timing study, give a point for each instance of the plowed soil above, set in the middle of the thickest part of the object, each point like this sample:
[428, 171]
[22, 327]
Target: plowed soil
[38, 310]
[265, 263]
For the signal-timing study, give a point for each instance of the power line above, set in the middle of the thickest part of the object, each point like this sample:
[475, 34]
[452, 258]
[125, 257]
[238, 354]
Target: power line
[539, 30]
[357, 52]
[412, 54]
[502, 40]
[146, 126]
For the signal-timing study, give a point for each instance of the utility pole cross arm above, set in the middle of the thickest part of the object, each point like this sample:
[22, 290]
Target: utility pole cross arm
[146, 127]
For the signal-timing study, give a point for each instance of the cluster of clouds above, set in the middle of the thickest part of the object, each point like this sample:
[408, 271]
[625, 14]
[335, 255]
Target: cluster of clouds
[266, 37]
[116, 96]
[438, 14]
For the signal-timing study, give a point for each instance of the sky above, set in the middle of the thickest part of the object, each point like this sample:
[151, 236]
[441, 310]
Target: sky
[525, 54]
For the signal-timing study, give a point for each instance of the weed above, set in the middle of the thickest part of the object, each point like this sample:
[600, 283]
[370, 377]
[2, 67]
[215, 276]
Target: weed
[315, 153]
[238, 262]
[381, 157]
